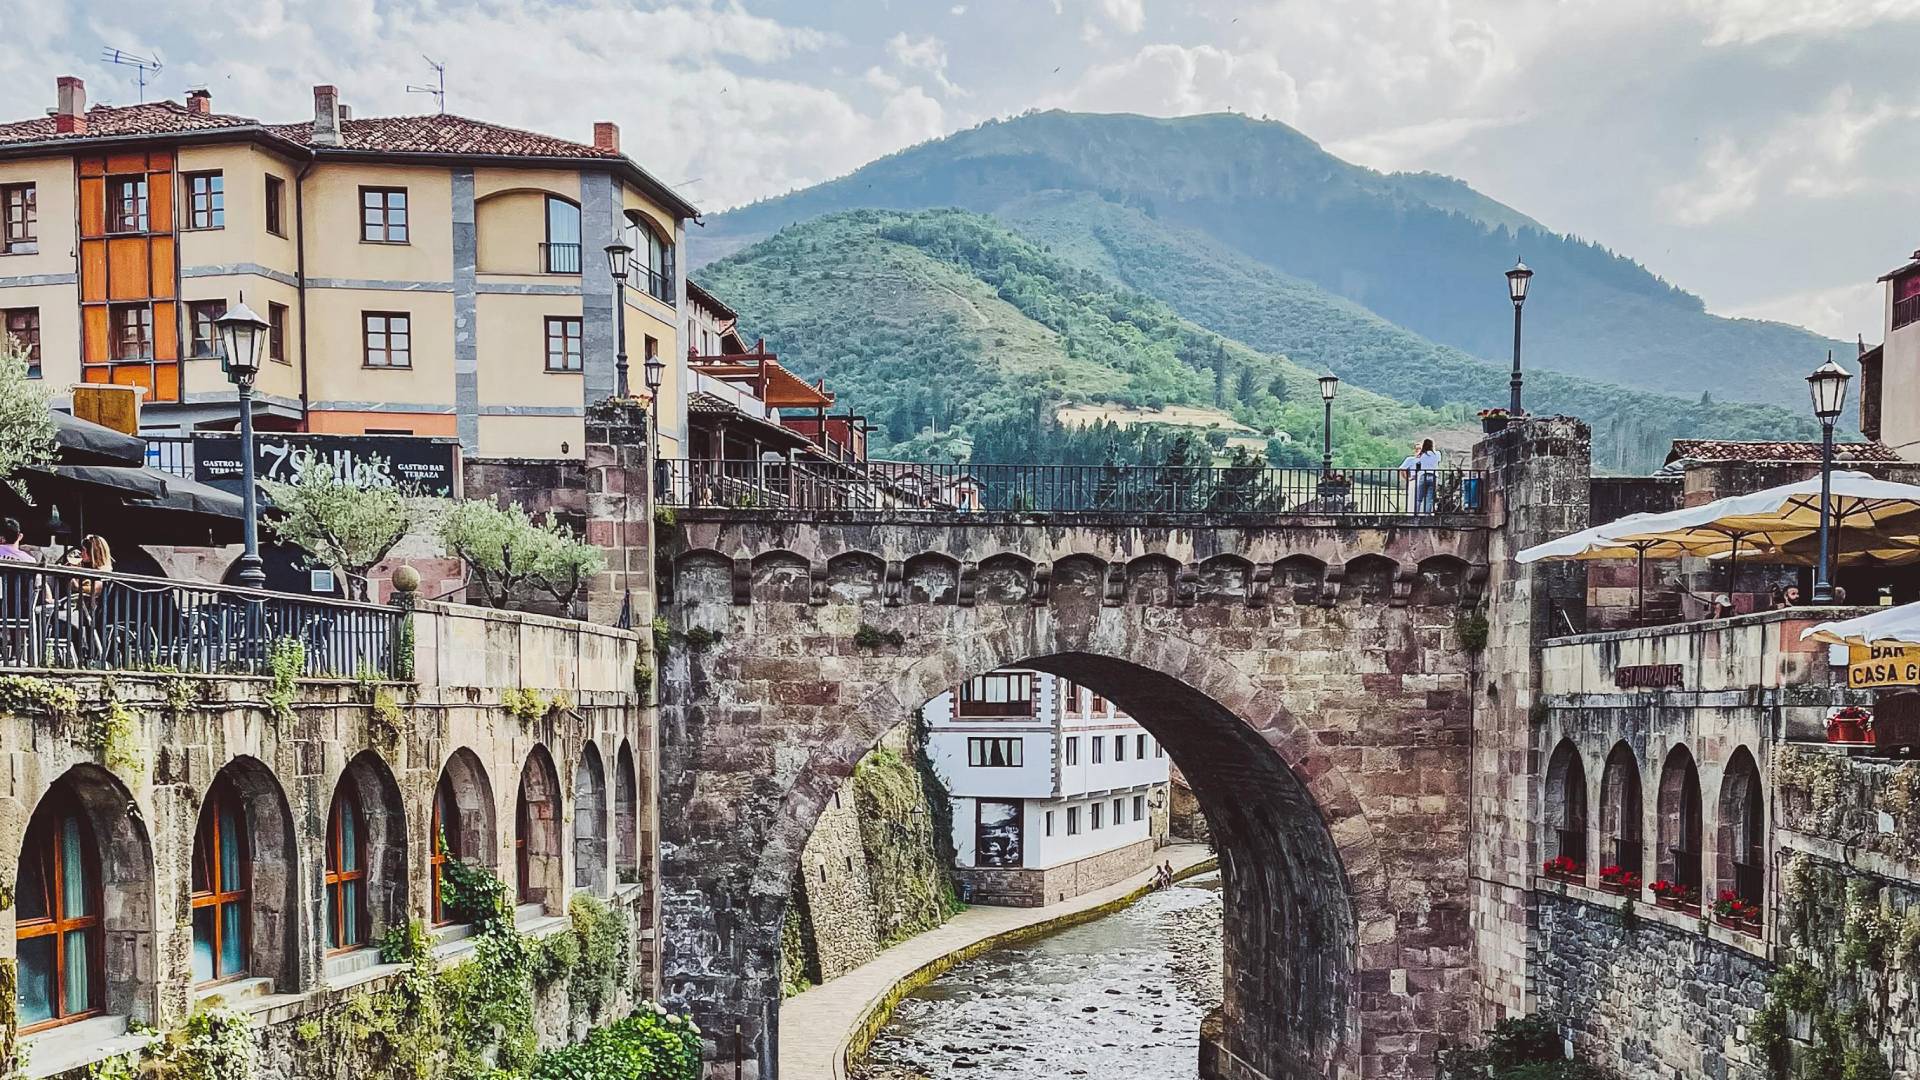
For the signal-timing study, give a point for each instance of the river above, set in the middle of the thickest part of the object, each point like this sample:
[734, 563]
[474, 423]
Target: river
[1120, 996]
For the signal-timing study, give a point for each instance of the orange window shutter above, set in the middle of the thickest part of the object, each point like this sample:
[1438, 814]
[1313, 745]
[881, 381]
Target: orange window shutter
[96, 333]
[93, 270]
[166, 332]
[93, 166]
[93, 206]
[97, 373]
[166, 382]
[126, 163]
[160, 203]
[127, 268]
[160, 160]
[162, 267]
[132, 375]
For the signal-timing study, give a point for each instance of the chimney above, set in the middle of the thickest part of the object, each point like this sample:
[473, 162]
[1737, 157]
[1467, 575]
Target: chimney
[606, 136]
[200, 102]
[71, 114]
[326, 116]
[346, 114]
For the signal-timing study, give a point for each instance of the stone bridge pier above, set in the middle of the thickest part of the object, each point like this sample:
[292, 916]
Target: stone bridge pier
[1307, 675]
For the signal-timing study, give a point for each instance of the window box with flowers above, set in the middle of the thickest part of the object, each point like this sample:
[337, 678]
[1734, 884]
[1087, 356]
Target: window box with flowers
[1564, 868]
[1672, 894]
[1620, 882]
[1494, 420]
[1735, 913]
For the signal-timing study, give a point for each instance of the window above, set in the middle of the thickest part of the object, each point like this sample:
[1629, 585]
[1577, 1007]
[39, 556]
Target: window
[1139, 808]
[561, 253]
[849, 864]
[126, 204]
[23, 326]
[1119, 748]
[57, 905]
[1158, 750]
[1566, 810]
[277, 332]
[653, 260]
[1099, 704]
[1118, 817]
[1073, 749]
[1099, 815]
[1621, 811]
[1099, 749]
[999, 693]
[1906, 299]
[276, 195]
[1679, 819]
[445, 845]
[19, 220]
[388, 338]
[1073, 821]
[993, 753]
[132, 331]
[204, 335]
[346, 873]
[383, 215]
[563, 343]
[222, 870]
[1049, 823]
[1140, 747]
[206, 201]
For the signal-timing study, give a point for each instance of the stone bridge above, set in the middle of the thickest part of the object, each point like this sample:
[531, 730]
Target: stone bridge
[1312, 677]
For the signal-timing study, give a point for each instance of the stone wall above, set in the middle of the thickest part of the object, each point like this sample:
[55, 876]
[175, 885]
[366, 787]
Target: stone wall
[1184, 819]
[1038, 888]
[839, 895]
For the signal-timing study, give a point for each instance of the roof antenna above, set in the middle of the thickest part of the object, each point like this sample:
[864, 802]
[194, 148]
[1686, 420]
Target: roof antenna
[141, 65]
[439, 90]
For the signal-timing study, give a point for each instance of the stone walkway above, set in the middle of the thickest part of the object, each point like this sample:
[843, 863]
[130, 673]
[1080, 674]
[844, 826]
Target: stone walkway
[816, 1026]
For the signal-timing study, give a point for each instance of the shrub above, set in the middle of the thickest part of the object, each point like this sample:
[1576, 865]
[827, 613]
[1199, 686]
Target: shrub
[649, 1045]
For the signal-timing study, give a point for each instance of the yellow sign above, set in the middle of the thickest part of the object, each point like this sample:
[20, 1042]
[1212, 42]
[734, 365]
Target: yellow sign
[1882, 665]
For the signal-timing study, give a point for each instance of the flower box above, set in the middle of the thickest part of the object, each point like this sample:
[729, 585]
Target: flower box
[1850, 726]
[1493, 425]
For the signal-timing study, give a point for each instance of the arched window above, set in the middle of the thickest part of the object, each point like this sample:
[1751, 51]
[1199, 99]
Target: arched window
[462, 827]
[346, 872]
[626, 816]
[1621, 816]
[222, 898]
[1567, 811]
[446, 844]
[536, 833]
[57, 916]
[652, 257]
[590, 822]
[561, 253]
[1680, 824]
[1742, 832]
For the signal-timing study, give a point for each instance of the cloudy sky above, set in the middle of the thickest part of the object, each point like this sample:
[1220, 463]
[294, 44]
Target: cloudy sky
[1763, 153]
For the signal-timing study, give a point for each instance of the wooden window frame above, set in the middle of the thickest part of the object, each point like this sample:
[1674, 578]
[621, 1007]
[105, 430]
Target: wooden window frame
[277, 333]
[276, 200]
[385, 210]
[142, 205]
[7, 316]
[215, 210]
[577, 339]
[116, 337]
[443, 848]
[387, 332]
[972, 699]
[26, 197]
[195, 308]
[207, 838]
[63, 804]
[333, 878]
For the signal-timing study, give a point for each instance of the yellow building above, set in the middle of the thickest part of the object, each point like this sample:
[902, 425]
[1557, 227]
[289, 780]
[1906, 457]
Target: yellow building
[426, 275]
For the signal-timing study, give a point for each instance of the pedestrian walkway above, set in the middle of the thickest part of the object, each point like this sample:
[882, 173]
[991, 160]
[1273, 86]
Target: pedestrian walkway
[817, 1026]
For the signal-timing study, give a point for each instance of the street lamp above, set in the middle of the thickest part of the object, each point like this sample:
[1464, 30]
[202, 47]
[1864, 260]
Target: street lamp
[242, 337]
[618, 254]
[1828, 384]
[1517, 279]
[1328, 384]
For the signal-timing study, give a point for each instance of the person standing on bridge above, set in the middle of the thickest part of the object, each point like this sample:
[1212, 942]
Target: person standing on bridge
[1421, 470]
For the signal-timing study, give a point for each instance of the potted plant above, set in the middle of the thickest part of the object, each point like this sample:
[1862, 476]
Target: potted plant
[1610, 879]
[1690, 899]
[1728, 909]
[1494, 420]
[1562, 866]
[1850, 725]
[1335, 490]
[1750, 919]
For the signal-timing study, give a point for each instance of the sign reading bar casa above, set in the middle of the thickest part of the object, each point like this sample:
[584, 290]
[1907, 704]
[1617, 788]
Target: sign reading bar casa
[1882, 665]
[1650, 677]
[420, 465]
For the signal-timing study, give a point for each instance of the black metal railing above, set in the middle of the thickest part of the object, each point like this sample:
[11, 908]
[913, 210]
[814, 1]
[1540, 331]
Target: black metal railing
[171, 454]
[654, 283]
[560, 258]
[784, 486]
[56, 617]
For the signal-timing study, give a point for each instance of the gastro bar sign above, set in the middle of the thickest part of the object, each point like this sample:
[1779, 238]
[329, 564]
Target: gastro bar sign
[420, 465]
[1882, 665]
[1650, 677]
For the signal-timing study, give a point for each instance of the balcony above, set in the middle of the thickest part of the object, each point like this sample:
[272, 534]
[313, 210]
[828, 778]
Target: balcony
[560, 258]
[1906, 311]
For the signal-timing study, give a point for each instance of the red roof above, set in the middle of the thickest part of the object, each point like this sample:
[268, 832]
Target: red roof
[442, 133]
[152, 118]
[1728, 450]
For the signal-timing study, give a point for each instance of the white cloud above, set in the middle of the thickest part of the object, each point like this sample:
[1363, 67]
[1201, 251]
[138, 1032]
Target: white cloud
[1840, 311]
[1746, 22]
[925, 53]
[1174, 80]
[1127, 16]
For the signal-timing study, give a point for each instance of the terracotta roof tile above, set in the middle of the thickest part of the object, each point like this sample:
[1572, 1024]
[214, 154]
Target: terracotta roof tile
[442, 133]
[152, 118]
[1728, 450]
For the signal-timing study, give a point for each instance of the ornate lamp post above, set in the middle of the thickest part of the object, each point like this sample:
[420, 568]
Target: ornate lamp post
[618, 254]
[1828, 384]
[243, 335]
[1517, 279]
[1328, 384]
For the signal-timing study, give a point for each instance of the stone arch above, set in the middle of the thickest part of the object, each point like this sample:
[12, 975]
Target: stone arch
[931, 578]
[855, 577]
[1005, 578]
[1740, 848]
[270, 867]
[1301, 866]
[536, 834]
[626, 816]
[1622, 814]
[1078, 583]
[590, 849]
[1566, 804]
[462, 825]
[1680, 820]
[702, 574]
[781, 577]
[369, 783]
[1224, 578]
[1152, 580]
[1440, 581]
[1299, 579]
[113, 845]
[1369, 579]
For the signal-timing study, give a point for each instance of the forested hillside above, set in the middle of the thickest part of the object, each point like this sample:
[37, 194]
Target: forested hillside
[1421, 251]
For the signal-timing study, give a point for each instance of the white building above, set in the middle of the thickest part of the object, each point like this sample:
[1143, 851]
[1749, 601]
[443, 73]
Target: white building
[1055, 791]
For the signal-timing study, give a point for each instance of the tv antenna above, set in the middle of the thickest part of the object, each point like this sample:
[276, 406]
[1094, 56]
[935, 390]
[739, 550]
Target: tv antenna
[439, 89]
[142, 65]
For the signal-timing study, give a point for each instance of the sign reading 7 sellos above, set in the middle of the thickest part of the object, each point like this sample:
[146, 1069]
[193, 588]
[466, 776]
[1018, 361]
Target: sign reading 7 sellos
[1883, 665]
[421, 465]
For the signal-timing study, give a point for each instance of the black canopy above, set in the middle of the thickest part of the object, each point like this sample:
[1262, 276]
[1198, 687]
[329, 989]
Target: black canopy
[85, 441]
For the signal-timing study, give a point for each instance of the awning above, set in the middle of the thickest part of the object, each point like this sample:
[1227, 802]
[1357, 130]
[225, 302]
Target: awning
[1892, 626]
[146, 488]
[74, 436]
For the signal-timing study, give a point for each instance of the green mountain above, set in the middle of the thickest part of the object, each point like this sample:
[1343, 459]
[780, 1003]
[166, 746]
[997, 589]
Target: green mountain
[1421, 251]
[957, 337]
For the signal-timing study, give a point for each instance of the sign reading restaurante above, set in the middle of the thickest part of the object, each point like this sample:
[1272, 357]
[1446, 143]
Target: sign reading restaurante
[1650, 677]
[1882, 665]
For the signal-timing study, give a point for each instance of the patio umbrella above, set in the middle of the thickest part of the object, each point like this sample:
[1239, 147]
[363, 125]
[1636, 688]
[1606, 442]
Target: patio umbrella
[1891, 626]
[1623, 538]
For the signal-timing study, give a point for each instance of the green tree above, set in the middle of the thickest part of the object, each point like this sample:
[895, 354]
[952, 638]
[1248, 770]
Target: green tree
[508, 552]
[346, 526]
[26, 426]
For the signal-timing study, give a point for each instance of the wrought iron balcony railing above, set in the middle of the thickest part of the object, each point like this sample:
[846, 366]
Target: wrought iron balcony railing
[560, 258]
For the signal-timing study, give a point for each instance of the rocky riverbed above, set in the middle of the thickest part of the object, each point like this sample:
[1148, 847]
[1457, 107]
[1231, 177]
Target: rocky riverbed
[1120, 996]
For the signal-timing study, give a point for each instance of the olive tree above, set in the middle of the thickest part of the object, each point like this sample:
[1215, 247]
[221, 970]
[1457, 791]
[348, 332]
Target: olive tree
[26, 425]
[343, 525]
[508, 552]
